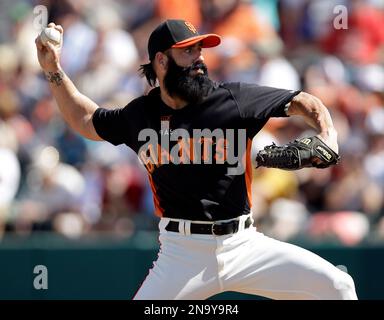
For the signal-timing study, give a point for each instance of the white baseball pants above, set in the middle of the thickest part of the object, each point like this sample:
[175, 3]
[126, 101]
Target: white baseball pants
[194, 267]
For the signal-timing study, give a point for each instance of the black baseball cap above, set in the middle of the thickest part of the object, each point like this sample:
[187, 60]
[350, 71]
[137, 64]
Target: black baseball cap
[178, 34]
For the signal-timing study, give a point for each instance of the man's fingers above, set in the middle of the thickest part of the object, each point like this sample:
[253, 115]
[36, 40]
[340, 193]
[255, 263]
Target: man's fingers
[39, 44]
[56, 26]
[50, 46]
[59, 28]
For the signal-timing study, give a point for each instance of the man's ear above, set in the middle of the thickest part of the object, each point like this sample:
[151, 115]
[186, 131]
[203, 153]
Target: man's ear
[162, 59]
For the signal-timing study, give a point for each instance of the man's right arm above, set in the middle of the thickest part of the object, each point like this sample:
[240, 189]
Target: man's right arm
[76, 109]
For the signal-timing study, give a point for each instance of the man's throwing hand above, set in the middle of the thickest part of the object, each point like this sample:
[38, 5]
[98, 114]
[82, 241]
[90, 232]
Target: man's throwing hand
[48, 53]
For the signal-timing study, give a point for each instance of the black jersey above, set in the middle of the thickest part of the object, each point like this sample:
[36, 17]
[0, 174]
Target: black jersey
[197, 157]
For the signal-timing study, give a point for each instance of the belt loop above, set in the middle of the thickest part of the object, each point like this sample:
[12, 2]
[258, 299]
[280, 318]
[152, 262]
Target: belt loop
[187, 228]
[241, 224]
[252, 220]
[163, 223]
[182, 227]
[243, 220]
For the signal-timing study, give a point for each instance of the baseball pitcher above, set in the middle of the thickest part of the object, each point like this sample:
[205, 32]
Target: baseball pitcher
[194, 136]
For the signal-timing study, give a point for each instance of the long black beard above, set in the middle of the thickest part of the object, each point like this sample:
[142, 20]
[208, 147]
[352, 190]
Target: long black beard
[179, 83]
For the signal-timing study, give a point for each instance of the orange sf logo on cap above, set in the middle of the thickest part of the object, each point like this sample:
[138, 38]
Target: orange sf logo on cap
[190, 26]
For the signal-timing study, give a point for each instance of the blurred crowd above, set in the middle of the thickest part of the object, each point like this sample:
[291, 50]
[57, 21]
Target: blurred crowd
[51, 179]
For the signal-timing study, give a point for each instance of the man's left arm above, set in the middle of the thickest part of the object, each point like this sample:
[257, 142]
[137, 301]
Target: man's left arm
[316, 115]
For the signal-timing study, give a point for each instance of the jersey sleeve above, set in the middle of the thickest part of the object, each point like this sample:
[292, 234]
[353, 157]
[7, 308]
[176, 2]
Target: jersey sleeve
[260, 102]
[119, 126]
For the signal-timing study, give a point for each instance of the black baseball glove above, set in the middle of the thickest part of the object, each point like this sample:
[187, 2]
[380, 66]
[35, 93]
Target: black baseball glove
[302, 153]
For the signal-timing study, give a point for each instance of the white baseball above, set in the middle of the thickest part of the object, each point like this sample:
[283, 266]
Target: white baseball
[50, 34]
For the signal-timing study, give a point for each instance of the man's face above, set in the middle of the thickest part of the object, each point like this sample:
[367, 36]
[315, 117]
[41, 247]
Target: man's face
[185, 57]
[187, 75]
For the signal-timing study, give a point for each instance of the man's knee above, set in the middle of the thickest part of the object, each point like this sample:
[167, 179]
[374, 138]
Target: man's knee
[343, 286]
